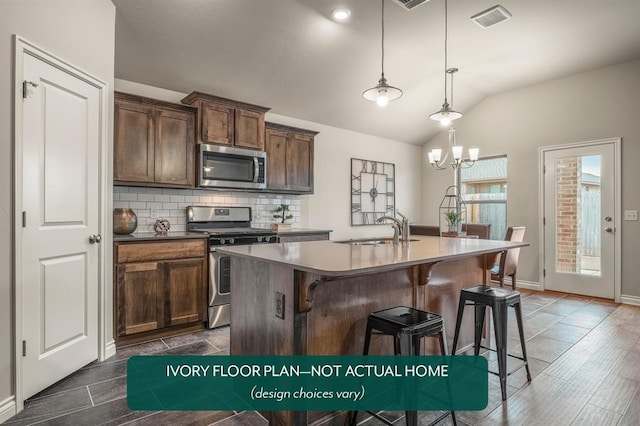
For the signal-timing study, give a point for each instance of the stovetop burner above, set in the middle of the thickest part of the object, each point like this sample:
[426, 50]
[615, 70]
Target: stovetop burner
[227, 225]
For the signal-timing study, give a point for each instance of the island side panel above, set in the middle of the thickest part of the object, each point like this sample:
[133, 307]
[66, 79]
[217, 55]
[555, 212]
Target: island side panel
[336, 323]
[442, 294]
[255, 328]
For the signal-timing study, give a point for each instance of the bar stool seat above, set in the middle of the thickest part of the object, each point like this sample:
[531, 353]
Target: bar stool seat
[408, 326]
[498, 299]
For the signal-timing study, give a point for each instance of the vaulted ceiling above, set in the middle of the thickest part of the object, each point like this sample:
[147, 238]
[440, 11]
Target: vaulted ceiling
[291, 56]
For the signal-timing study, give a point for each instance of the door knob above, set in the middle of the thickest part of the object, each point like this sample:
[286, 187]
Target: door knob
[93, 238]
[608, 229]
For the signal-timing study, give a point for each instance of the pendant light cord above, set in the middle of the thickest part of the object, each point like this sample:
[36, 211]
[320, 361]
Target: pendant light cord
[446, 32]
[382, 38]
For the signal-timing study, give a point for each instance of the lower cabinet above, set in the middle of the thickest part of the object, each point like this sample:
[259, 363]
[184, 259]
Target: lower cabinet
[160, 288]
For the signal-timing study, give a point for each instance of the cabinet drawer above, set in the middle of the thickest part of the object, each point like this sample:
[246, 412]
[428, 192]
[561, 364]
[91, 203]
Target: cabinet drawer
[155, 251]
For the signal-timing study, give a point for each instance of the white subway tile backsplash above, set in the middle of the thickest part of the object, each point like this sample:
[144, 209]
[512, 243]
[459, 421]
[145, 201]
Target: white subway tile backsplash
[171, 204]
[154, 205]
[138, 205]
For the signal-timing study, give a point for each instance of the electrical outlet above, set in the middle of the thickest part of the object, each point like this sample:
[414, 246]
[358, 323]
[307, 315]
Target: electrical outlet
[631, 215]
[279, 305]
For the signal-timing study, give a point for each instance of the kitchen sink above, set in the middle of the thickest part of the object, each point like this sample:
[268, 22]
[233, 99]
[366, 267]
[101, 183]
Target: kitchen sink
[369, 242]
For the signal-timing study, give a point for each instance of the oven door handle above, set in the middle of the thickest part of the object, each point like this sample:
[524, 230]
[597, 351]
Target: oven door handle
[256, 169]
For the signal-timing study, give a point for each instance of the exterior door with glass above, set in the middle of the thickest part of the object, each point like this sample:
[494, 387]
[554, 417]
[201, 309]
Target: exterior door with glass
[580, 218]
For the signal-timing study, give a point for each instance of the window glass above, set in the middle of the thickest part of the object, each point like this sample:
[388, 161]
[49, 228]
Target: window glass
[484, 191]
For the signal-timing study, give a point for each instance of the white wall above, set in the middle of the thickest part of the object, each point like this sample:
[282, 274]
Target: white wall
[329, 207]
[599, 104]
[80, 32]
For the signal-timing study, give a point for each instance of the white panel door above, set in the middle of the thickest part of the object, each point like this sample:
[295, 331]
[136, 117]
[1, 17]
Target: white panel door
[580, 220]
[60, 128]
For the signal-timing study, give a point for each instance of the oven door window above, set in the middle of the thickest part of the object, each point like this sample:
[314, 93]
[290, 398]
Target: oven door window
[228, 167]
[224, 275]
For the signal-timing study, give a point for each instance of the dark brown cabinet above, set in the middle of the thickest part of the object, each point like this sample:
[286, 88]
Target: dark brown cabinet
[154, 142]
[289, 158]
[160, 288]
[226, 122]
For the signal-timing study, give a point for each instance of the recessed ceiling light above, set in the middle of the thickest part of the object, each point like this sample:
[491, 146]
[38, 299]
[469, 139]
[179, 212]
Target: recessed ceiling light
[340, 14]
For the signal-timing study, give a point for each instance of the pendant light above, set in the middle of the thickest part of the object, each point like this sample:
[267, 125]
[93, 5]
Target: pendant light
[446, 115]
[382, 93]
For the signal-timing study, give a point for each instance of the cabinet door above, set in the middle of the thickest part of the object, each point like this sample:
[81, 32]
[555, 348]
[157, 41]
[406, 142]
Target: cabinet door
[276, 148]
[185, 287]
[217, 123]
[174, 148]
[249, 129]
[139, 298]
[133, 149]
[300, 162]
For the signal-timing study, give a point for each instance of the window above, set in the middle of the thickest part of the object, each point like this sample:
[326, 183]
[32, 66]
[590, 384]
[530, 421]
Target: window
[484, 191]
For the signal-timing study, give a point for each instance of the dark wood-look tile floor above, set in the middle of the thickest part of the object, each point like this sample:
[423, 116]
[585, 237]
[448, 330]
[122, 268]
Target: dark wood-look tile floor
[584, 355]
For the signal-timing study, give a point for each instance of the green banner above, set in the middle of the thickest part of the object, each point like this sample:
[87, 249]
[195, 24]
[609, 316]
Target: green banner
[274, 383]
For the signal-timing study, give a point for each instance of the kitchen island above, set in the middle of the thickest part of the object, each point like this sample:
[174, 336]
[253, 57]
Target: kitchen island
[313, 298]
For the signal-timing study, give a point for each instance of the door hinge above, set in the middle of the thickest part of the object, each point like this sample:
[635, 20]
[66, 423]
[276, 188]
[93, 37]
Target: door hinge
[24, 219]
[24, 348]
[544, 272]
[544, 221]
[25, 88]
[544, 168]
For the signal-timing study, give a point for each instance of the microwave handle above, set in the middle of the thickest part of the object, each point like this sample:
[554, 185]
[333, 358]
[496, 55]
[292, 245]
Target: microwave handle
[256, 169]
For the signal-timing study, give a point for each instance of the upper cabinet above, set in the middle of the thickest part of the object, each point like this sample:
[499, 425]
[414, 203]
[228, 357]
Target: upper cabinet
[154, 142]
[289, 158]
[225, 122]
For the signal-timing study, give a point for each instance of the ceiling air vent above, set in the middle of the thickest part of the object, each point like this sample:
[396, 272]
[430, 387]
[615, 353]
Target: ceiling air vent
[491, 16]
[410, 4]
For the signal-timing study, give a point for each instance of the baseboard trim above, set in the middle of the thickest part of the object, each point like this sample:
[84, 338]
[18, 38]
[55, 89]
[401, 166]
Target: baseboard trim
[110, 349]
[630, 300]
[7, 409]
[530, 285]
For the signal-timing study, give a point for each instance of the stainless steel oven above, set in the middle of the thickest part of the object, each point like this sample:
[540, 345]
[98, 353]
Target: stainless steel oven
[225, 226]
[228, 167]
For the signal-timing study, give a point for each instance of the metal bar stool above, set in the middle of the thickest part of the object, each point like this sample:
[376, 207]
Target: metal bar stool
[498, 299]
[407, 326]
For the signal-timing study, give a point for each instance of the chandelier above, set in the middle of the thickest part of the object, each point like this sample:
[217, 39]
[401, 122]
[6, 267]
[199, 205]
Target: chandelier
[445, 115]
[439, 163]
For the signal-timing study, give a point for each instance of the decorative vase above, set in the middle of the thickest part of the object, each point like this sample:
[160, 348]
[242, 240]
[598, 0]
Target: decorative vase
[125, 221]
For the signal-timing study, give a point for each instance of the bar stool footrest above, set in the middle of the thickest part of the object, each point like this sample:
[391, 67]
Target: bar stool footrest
[524, 362]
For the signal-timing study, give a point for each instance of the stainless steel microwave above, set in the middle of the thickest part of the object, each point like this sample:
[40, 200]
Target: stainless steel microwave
[228, 167]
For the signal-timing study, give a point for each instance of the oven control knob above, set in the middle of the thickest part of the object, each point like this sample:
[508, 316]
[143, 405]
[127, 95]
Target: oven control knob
[259, 239]
[222, 241]
[231, 240]
[267, 239]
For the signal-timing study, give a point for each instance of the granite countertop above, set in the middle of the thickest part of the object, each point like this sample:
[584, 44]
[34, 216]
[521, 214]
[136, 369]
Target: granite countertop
[331, 258]
[152, 236]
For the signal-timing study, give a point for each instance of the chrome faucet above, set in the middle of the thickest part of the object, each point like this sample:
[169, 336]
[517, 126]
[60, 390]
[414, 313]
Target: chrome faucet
[406, 233]
[400, 227]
